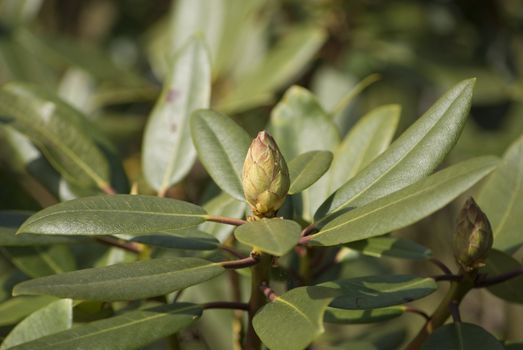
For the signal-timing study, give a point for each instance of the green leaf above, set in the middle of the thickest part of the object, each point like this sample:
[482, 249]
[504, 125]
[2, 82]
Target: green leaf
[15, 309]
[191, 239]
[299, 124]
[341, 316]
[392, 247]
[414, 155]
[365, 141]
[108, 215]
[371, 292]
[168, 151]
[498, 263]
[58, 130]
[131, 330]
[501, 199]
[130, 281]
[461, 336]
[55, 317]
[223, 205]
[281, 64]
[222, 146]
[293, 320]
[273, 236]
[39, 261]
[10, 221]
[405, 207]
[307, 168]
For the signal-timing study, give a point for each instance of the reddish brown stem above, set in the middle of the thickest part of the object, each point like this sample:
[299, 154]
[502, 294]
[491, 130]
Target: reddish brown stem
[225, 220]
[128, 246]
[240, 263]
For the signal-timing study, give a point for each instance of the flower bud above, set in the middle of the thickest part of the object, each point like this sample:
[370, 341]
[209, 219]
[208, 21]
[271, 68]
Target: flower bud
[473, 238]
[265, 176]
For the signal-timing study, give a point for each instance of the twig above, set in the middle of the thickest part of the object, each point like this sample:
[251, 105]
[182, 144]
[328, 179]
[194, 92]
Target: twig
[454, 311]
[268, 292]
[107, 188]
[304, 240]
[308, 230]
[450, 277]
[422, 313]
[486, 282]
[226, 305]
[225, 220]
[132, 247]
[240, 263]
[232, 251]
[441, 265]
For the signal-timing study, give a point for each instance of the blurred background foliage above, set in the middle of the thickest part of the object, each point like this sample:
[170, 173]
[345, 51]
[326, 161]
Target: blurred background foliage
[109, 59]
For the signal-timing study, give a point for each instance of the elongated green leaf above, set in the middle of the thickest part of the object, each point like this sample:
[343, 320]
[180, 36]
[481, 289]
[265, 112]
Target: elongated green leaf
[299, 124]
[168, 152]
[54, 318]
[497, 264]
[39, 261]
[222, 146]
[406, 206]
[10, 221]
[307, 168]
[57, 129]
[108, 215]
[391, 246]
[15, 309]
[130, 281]
[502, 199]
[461, 336]
[292, 320]
[132, 330]
[363, 293]
[273, 236]
[414, 155]
[341, 316]
[364, 142]
[280, 65]
[224, 205]
[191, 239]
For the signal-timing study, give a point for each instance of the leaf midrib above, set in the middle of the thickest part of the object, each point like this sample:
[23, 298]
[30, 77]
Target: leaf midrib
[394, 165]
[128, 324]
[425, 189]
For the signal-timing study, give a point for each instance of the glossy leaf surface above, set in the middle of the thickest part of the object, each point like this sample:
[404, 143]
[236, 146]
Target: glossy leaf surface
[58, 130]
[366, 140]
[131, 330]
[168, 151]
[406, 206]
[307, 168]
[501, 199]
[273, 236]
[130, 281]
[414, 155]
[54, 318]
[118, 214]
[222, 146]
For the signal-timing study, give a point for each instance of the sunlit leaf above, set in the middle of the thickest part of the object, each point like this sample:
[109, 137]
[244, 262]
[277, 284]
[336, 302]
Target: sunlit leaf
[129, 281]
[118, 214]
[131, 330]
[168, 151]
[405, 207]
[222, 146]
[53, 318]
[414, 155]
[501, 199]
[273, 236]
[307, 168]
